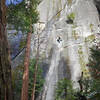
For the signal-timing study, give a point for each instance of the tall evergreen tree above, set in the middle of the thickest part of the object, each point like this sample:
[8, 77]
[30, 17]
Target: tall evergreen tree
[5, 65]
[22, 17]
[94, 62]
[94, 66]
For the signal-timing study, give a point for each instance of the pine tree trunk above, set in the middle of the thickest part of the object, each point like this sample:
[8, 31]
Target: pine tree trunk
[34, 78]
[24, 94]
[36, 69]
[5, 65]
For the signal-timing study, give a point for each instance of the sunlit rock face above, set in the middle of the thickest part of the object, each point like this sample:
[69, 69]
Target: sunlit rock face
[67, 29]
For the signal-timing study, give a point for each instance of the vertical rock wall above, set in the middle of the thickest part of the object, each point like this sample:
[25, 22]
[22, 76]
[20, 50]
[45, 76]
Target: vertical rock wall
[75, 23]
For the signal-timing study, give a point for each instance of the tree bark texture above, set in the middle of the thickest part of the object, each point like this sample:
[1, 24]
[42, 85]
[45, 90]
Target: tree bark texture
[36, 68]
[24, 94]
[34, 78]
[5, 64]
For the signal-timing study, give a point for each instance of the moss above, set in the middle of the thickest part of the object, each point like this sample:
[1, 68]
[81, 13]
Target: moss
[75, 35]
[70, 18]
[91, 27]
[82, 63]
[90, 38]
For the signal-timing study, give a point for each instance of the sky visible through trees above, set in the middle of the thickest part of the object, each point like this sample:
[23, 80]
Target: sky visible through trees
[14, 2]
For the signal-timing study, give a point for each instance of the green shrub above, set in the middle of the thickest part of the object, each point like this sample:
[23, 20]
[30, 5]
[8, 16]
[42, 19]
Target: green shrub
[70, 18]
[64, 90]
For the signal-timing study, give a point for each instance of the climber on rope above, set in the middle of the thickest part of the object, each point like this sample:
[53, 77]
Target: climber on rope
[59, 39]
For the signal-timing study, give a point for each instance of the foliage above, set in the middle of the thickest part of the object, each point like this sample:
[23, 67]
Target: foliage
[92, 86]
[91, 27]
[90, 38]
[75, 35]
[39, 77]
[17, 80]
[64, 90]
[23, 15]
[70, 18]
[94, 62]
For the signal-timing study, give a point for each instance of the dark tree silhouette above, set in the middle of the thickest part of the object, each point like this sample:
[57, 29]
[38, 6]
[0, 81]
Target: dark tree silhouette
[5, 65]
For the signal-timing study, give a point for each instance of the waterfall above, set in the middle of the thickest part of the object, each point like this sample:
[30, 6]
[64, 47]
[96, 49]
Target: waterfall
[52, 76]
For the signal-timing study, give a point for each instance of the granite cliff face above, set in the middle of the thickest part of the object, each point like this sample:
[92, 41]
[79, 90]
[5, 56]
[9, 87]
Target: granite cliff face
[66, 30]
